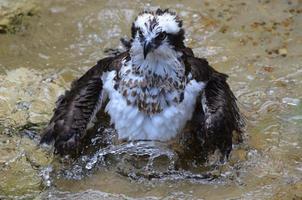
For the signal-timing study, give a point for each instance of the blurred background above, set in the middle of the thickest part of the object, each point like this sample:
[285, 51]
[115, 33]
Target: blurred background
[44, 45]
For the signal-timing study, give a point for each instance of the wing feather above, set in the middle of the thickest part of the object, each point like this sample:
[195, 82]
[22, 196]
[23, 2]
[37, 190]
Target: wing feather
[217, 115]
[75, 109]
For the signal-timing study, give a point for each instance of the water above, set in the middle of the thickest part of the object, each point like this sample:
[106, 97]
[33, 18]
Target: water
[258, 43]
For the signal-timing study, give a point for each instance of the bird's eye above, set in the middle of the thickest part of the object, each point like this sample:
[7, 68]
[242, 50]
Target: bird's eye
[162, 35]
[140, 33]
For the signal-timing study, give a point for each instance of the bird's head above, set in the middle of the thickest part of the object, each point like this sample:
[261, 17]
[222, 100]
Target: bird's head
[156, 33]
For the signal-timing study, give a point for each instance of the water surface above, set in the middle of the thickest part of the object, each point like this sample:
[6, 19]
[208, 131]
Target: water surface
[257, 43]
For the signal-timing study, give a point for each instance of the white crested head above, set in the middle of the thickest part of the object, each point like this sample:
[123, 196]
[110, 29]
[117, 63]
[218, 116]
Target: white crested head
[157, 39]
[163, 21]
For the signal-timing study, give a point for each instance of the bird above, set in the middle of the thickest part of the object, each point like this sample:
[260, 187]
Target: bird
[152, 90]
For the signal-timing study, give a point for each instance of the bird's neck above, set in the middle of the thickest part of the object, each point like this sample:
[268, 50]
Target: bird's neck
[164, 61]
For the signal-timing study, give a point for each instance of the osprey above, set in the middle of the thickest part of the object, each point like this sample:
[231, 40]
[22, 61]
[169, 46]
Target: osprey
[152, 91]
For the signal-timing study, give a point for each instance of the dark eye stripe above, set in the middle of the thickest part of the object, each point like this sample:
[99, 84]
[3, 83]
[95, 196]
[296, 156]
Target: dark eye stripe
[161, 36]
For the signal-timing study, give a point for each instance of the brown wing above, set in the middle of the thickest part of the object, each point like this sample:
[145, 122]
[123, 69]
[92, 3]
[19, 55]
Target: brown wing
[76, 107]
[216, 116]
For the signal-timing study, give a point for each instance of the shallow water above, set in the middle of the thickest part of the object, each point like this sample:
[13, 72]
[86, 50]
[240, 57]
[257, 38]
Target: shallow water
[257, 43]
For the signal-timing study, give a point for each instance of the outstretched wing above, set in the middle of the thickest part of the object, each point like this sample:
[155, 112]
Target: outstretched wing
[75, 109]
[217, 113]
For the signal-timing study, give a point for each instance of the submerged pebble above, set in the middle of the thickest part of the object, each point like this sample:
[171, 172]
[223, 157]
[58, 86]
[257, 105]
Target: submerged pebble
[291, 101]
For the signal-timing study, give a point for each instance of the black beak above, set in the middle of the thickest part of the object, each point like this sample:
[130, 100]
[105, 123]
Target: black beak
[147, 49]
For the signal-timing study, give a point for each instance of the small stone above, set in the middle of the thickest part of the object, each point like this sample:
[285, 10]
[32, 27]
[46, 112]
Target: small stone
[223, 29]
[291, 101]
[282, 52]
[195, 16]
[268, 68]
[250, 77]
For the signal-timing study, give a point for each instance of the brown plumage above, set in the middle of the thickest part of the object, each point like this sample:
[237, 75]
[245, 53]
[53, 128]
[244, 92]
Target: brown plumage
[215, 118]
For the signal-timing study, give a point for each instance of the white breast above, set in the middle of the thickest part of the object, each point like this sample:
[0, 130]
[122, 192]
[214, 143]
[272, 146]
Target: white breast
[132, 124]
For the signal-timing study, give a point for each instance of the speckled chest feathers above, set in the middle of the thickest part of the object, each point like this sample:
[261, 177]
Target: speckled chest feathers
[149, 102]
[152, 88]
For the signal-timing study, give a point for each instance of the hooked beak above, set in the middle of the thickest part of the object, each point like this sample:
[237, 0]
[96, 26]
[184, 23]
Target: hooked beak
[147, 48]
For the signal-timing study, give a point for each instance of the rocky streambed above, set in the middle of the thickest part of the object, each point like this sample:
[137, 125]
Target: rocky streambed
[44, 45]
